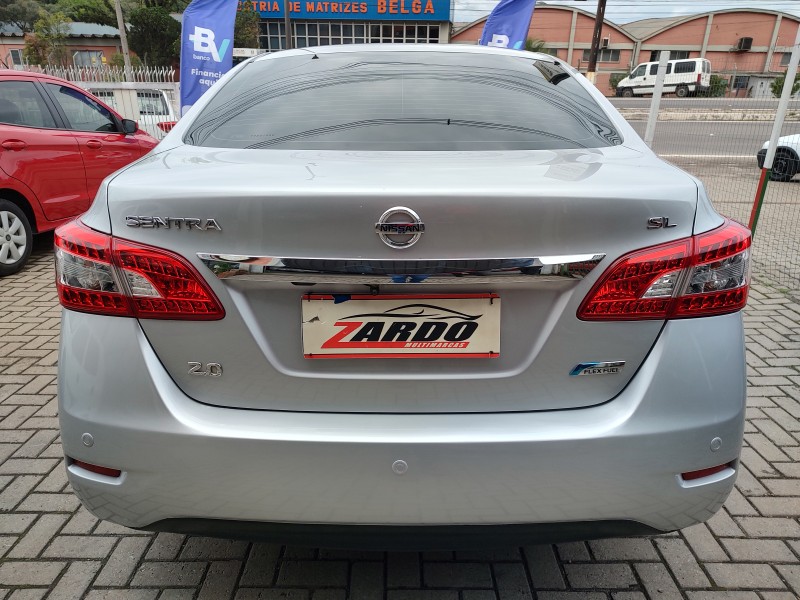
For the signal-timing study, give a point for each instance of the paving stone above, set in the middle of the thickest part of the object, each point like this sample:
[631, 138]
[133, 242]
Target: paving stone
[75, 581]
[30, 573]
[220, 581]
[607, 576]
[122, 562]
[213, 549]
[623, 549]
[421, 595]
[261, 565]
[771, 551]
[745, 576]
[543, 567]
[682, 563]
[166, 574]
[366, 580]
[657, 581]
[79, 546]
[770, 527]
[778, 507]
[512, 581]
[791, 574]
[327, 573]
[403, 570]
[38, 536]
[469, 575]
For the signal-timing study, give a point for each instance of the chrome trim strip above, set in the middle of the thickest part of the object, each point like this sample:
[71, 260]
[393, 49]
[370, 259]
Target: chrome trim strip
[381, 272]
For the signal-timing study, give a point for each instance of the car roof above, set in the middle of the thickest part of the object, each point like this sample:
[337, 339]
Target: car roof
[30, 75]
[429, 48]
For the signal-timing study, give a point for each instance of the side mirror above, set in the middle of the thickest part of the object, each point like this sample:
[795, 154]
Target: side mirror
[129, 126]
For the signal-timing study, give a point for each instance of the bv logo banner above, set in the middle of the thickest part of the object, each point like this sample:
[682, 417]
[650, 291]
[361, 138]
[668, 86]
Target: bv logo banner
[507, 26]
[206, 39]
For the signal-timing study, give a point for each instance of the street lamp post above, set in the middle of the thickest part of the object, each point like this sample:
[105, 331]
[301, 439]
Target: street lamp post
[598, 32]
[287, 25]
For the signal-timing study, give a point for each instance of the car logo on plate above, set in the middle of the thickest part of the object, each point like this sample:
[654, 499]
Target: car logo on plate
[399, 227]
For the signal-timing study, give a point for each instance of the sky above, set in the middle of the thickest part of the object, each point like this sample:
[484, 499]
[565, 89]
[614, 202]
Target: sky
[625, 11]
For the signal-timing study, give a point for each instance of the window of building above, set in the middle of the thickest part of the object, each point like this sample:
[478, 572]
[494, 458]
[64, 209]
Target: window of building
[740, 82]
[673, 55]
[325, 33]
[686, 66]
[16, 59]
[785, 58]
[606, 55]
[87, 58]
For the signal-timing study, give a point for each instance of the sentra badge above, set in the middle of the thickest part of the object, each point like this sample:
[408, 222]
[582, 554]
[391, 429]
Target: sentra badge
[598, 368]
[188, 223]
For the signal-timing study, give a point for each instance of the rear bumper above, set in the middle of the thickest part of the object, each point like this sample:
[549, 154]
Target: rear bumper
[612, 463]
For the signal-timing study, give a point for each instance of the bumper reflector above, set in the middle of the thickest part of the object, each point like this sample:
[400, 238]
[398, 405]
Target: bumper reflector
[690, 475]
[108, 472]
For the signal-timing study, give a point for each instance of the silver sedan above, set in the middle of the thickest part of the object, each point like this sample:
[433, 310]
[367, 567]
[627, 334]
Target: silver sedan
[404, 297]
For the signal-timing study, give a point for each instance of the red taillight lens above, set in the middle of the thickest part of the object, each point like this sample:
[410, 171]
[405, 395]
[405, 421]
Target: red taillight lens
[166, 126]
[107, 471]
[99, 274]
[704, 275]
[692, 475]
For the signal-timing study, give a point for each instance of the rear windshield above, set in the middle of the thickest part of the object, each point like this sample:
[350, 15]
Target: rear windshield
[403, 101]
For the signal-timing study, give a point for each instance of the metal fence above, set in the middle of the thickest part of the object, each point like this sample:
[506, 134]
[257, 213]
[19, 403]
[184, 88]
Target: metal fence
[107, 73]
[717, 139]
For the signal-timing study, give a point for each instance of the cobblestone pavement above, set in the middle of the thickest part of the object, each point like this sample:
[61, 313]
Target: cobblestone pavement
[50, 547]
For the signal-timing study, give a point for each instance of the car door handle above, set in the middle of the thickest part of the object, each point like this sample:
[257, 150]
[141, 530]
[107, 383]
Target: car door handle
[14, 145]
[94, 144]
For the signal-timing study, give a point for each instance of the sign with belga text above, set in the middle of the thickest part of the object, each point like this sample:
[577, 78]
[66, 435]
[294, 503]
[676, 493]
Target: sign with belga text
[508, 24]
[372, 10]
[206, 44]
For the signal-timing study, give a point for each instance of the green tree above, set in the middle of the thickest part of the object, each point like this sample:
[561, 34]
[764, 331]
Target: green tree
[89, 11]
[246, 28]
[21, 13]
[117, 60]
[534, 45]
[154, 35]
[777, 85]
[47, 44]
[615, 78]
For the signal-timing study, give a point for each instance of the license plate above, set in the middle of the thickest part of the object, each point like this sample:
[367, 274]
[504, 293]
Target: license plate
[399, 326]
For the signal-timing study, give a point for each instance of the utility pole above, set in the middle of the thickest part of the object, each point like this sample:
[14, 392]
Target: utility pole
[598, 32]
[123, 38]
[287, 25]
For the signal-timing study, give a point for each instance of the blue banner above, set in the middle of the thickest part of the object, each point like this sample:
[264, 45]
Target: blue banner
[356, 10]
[508, 25]
[206, 46]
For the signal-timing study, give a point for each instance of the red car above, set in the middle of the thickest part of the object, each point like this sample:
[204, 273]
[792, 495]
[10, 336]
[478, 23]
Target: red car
[57, 143]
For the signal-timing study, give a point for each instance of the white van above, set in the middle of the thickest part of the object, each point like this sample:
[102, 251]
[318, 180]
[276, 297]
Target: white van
[684, 77]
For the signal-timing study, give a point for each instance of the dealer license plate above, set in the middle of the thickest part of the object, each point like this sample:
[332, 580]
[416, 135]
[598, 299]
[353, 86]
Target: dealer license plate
[422, 326]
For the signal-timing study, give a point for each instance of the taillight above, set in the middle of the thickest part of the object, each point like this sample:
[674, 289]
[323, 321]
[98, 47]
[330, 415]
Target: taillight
[707, 274]
[99, 274]
[699, 76]
[166, 126]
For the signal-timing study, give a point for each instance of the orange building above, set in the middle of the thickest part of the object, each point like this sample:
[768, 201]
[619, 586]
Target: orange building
[88, 45]
[748, 47]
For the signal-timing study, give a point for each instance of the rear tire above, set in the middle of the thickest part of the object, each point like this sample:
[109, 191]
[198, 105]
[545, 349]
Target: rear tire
[626, 93]
[682, 91]
[785, 166]
[16, 238]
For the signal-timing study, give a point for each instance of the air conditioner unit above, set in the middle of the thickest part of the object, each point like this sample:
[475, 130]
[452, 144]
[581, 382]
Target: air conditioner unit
[606, 41]
[744, 44]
